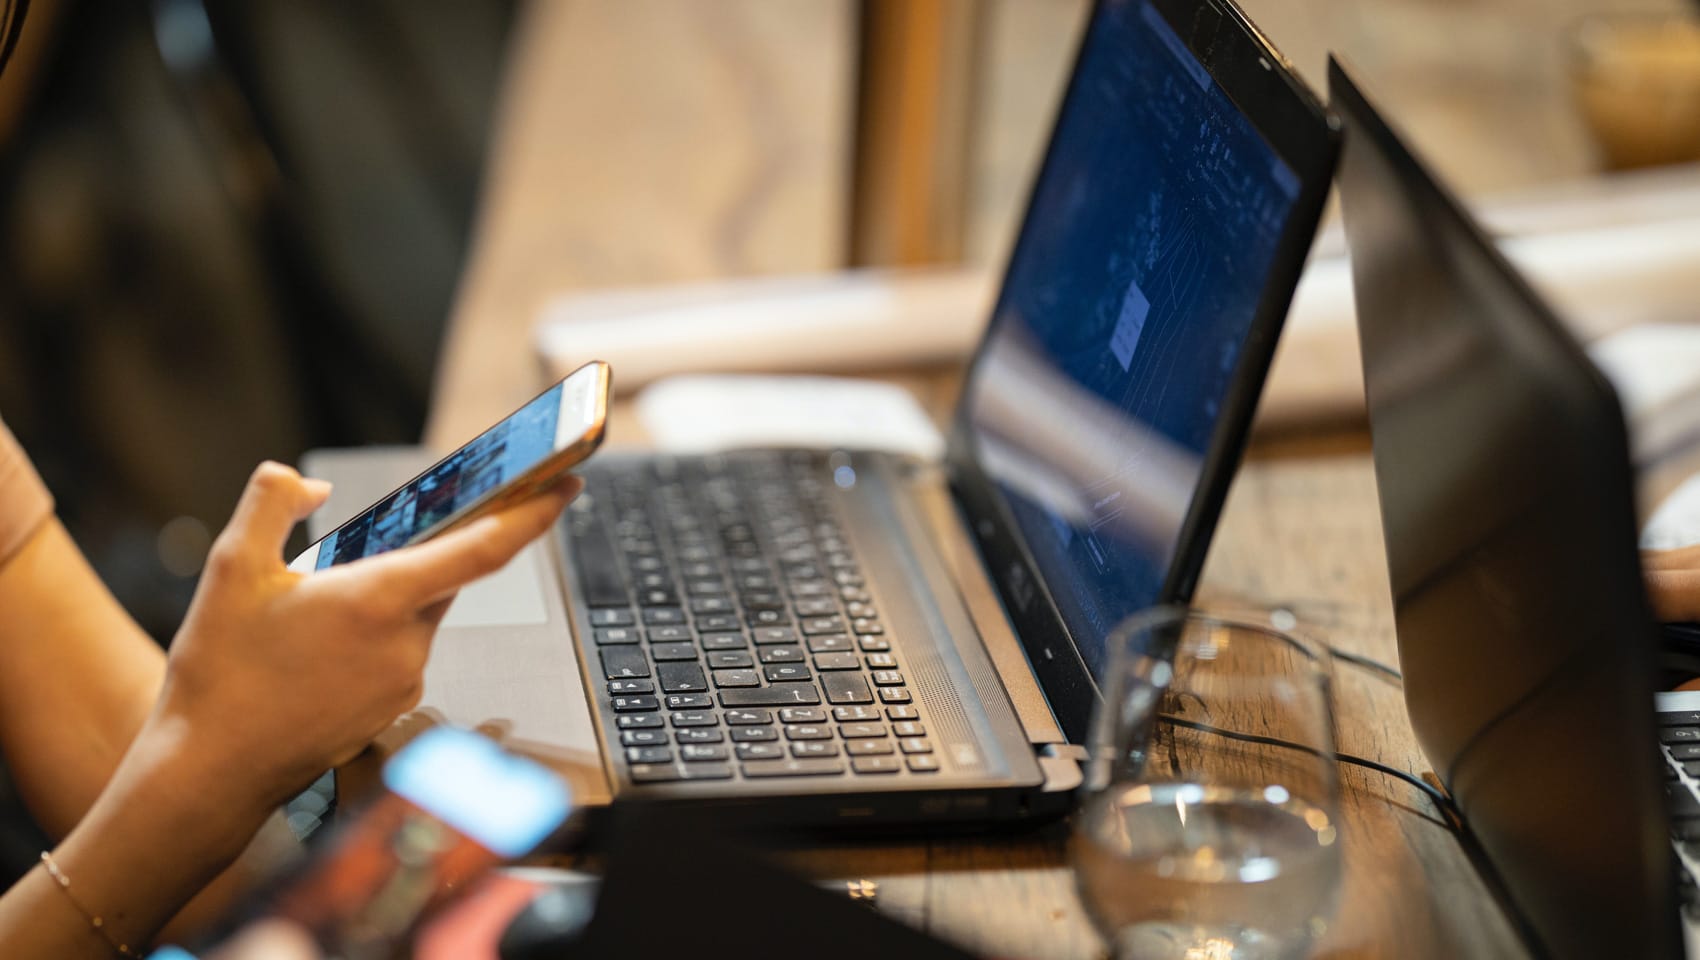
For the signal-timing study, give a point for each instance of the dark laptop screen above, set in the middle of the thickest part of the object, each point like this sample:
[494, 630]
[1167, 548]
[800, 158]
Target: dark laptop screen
[1147, 251]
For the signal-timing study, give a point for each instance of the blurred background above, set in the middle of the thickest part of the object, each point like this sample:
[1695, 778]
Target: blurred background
[232, 231]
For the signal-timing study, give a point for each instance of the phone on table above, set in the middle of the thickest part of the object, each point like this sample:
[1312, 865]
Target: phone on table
[512, 460]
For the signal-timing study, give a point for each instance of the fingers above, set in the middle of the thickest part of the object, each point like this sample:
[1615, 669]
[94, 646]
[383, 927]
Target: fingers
[427, 573]
[1674, 594]
[270, 940]
[275, 500]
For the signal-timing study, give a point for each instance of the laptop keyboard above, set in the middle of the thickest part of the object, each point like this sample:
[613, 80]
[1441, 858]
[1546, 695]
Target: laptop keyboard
[1679, 735]
[732, 627]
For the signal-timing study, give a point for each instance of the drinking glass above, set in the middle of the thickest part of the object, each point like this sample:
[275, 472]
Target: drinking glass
[1209, 825]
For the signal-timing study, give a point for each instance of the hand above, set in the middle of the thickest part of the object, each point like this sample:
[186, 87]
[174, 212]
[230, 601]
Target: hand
[269, 940]
[276, 676]
[1673, 583]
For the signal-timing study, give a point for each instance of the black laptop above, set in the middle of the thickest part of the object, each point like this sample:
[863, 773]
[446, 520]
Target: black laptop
[850, 637]
[1525, 640]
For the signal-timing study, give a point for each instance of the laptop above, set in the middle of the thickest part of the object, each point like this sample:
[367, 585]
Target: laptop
[851, 637]
[1525, 638]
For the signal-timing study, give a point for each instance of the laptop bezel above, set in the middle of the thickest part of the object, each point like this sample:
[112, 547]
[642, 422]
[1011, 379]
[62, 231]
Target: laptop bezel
[1242, 63]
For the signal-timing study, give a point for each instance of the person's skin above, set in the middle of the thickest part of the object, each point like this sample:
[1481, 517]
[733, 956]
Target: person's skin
[1673, 583]
[158, 771]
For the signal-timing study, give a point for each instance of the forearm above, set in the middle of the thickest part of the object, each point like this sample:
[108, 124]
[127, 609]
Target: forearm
[77, 678]
[167, 824]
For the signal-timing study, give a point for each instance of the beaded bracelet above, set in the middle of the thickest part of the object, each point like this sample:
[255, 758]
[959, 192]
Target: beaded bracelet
[96, 923]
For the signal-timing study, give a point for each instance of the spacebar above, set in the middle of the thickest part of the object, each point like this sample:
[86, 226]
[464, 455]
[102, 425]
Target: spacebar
[777, 695]
[811, 767]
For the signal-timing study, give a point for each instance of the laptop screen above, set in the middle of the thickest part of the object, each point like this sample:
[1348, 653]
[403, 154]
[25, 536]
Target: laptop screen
[1147, 251]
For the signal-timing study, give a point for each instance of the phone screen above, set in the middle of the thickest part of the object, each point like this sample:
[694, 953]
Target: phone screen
[456, 805]
[499, 454]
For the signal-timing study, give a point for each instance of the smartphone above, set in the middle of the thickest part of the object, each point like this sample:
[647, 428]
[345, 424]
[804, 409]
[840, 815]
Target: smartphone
[512, 460]
[455, 805]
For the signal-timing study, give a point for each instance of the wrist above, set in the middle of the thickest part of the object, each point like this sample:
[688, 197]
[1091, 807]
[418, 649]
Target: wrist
[214, 805]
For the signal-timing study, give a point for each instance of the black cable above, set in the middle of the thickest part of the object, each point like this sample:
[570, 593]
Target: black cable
[1455, 824]
[1447, 808]
[1360, 661]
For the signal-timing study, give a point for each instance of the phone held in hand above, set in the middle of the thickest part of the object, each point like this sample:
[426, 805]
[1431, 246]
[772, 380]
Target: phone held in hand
[512, 460]
[455, 805]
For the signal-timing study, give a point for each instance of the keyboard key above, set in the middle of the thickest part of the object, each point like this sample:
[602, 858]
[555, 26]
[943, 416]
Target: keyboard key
[860, 610]
[816, 607]
[635, 704]
[844, 688]
[859, 748]
[777, 695]
[853, 714]
[894, 695]
[856, 731]
[829, 643]
[649, 754]
[885, 678]
[753, 734]
[619, 662]
[1680, 735]
[865, 764]
[714, 622]
[779, 654]
[620, 687]
[707, 771]
[864, 626]
[794, 767]
[774, 635]
[736, 678]
[711, 605]
[611, 617]
[813, 626]
[673, 651]
[700, 752]
[698, 735]
[802, 715]
[608, 636]
[915, 745]
[638, 721]
[873, 644]
[689, 701]
[909, 728]
[901, 713]
[722, 641]
[1685, 718]
[729, 660]
[836, 661]
[656, 616]
[922, 763]
[808, 731]
[669, 632]
[760, 751]
[695, 718]
[681, 678]
[642, 738]
[814, 748]
[1685, 751]
[779, 673]
[654, 772]
[767, 618]
[881, 661]
[745, 718]
[657, 598]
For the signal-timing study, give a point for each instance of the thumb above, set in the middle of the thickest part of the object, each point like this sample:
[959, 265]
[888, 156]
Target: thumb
[275, 500]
